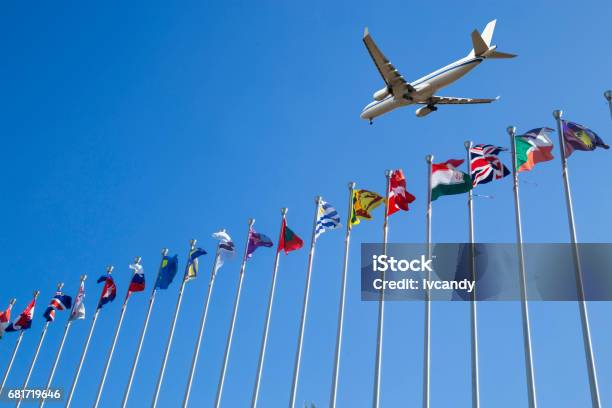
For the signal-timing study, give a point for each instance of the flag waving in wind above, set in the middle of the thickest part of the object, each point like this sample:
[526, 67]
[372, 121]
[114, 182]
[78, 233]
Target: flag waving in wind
[485, 165]
[533, 147]
[257, 240]
[5, 318]
[191, 270]
[288, 241]
[399, 197]
[167, 271]
[447, 180]
[327, 219]
[24, 321]
[137, 284]
[109, 291]
[78, 309]
[226, 248]
[58, 302]
[364, 201]
[578, 137]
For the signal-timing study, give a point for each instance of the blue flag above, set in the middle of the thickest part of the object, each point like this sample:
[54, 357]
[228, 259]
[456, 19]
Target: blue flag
[167, 271]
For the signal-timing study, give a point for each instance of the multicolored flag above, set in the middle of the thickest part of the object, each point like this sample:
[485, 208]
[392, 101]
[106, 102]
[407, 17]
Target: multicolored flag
[167, 271]
[578, 137]
[288, 240]
[137, 284]
[327, 219]
[226, 248]
[364, 201]
[109, 291]
[78, 309]
[5, 318]
[399, 197]
[191, 270]
[58, 302]
[533, 147]
[257, 240]
[447, 180]
[485, 165]
[24, 321]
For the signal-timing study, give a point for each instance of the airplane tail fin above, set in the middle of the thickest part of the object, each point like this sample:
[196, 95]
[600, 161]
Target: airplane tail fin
[482, 44]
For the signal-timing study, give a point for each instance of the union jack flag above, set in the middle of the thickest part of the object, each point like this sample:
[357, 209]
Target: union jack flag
[485, 165]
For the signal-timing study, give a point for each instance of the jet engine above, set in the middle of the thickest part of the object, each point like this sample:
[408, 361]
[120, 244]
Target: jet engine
[382, 94]
[425, 110]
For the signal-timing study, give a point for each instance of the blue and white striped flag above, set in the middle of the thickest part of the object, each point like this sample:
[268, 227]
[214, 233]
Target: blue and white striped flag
[327, 219]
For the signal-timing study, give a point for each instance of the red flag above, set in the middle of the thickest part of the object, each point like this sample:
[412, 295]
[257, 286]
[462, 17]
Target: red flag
[399, 198]
[288, 240]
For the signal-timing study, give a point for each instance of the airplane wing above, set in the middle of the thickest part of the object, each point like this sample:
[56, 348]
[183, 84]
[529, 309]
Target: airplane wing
[394, 80]
[451, 100]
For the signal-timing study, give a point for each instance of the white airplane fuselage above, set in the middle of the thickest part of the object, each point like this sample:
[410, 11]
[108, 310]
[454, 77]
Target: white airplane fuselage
[424, 87]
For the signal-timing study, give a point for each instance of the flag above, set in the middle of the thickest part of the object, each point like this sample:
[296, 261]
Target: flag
[137, 284]
[288, 240]
[226, 248]
[58, 302]
[78, 309]
[447, 180]
[24, 321]
[364, 201]
[578, 137]
[5, 318]
[191, 270]
[167, 271]
[255, 241]
[327, 219]
[399, 198]
[485, 165]
[109, 291]
[533, 147]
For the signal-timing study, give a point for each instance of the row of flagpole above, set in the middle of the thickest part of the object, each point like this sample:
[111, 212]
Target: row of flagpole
[530, 377]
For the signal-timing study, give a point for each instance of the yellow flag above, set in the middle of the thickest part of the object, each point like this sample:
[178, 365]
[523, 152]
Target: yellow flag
[364, 201]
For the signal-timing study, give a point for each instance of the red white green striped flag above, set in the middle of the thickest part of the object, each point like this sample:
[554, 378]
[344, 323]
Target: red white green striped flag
[447, 180]
[533, 147]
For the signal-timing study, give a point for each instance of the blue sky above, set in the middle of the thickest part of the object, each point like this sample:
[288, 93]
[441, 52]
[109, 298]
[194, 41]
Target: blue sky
[131, 127]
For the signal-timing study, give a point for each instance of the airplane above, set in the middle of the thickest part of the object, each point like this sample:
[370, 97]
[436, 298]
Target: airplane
[397, 92]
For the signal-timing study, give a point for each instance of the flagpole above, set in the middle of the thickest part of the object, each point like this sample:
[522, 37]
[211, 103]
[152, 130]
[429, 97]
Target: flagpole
[128, 387]
[347, 241]
[114, 344]
[427, 328]
[264, 340]
[531, 389]
[381, 304]
[196, 351]
[473, 307]
[608, 96]
[109, 270]
[162, 370]
[230, 335]
[15, 349]
[298, 352]
[38, 346]
[59, 351]
[584, 317]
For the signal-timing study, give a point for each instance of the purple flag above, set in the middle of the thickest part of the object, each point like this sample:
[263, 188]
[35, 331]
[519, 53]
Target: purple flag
[578, 137]
[255, 241]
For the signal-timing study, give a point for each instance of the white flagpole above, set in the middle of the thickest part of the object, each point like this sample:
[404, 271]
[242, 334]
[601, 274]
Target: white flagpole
[608, 96]
[584, 317]
[114, 344]
[162, 370]
[298, 352]
[531, 389]
[381, 304]
[230, 335]
[38, 346]
[59, 351]
[473, 309]
[264, 340]
[196, 351]
[347, 241]
[128, 387]
[84, 353]
[17, 344]
[426, 341]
